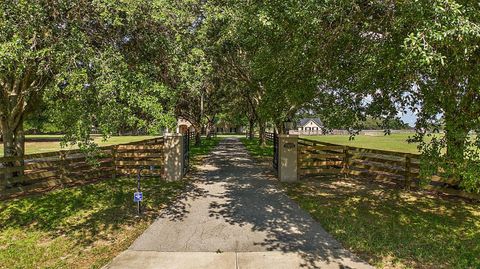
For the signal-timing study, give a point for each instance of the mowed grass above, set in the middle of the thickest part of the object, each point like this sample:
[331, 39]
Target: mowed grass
[80, 227]
[86, 226]
[231, 135]
[392, 142]
[197, 153]
[260, 153]
[392, 228]
[48, 146]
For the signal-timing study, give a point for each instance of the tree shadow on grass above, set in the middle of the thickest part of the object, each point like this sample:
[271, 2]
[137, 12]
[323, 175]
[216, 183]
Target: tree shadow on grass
[390, 225]
[87, 213]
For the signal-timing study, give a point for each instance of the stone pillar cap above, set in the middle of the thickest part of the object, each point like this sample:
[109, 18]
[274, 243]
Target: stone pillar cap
[288, 135]
[173, 134]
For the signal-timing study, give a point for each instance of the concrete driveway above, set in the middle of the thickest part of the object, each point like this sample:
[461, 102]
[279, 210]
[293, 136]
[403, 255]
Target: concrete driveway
[235, 216]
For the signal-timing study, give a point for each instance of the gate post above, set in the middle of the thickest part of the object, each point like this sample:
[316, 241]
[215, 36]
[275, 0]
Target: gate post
[287, 158]
[174, 161]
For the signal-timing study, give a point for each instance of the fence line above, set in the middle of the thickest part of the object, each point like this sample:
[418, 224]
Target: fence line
[45, 171]
[316, 158]
[269, 137]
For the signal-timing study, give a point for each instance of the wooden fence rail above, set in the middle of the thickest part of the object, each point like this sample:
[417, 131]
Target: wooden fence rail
[269, 136]
[315, 158]
[45, 171]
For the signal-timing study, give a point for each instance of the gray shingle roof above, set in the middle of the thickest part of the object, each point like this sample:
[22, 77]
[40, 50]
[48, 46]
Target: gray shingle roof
[304, 121]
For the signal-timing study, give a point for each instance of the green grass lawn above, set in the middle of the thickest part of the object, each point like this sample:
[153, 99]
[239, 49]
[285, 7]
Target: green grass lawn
[48, 146]
[392, 228]
[389, 227]
[393, 142]
[258, 152]
[197, 153]
[79, 227]
[43, 137]
[86, 226]
[231, 135]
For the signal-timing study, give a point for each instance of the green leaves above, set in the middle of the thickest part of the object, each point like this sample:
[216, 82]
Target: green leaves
[113, 66]
[100, 66]
[353, 60]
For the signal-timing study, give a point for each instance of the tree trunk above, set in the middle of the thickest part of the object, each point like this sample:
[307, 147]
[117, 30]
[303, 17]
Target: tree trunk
[20, 145]
[8, 151]
[209, 129]
[456, 141]
[13, 145]
[261, 136]
[208, 133]
[457, 125]
[251, 126]
[456, 135]
[197, 137]
[280, 128]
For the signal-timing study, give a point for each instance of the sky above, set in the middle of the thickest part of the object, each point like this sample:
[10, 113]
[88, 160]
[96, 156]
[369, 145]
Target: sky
[408, 117]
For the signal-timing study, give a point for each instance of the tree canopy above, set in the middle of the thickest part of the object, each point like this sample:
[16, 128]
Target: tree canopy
[116, 65]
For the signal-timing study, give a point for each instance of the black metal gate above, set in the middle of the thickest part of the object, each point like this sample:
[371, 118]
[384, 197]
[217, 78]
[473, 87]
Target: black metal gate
[275, 152]
[186, 152]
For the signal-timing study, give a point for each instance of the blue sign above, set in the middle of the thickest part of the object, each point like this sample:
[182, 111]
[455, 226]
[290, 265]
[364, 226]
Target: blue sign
[137, 197]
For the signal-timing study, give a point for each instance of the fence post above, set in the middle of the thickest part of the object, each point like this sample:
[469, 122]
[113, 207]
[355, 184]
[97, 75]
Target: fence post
[174, 157]
[346, 160]
[408, 178]
[114, 160]
[62, 167]
[288, 158]
[3, 182]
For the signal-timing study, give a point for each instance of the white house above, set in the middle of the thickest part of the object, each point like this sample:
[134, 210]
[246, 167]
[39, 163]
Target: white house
[309, 126]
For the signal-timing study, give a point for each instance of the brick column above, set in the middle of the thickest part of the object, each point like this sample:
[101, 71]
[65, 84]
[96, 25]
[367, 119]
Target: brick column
[287, 158]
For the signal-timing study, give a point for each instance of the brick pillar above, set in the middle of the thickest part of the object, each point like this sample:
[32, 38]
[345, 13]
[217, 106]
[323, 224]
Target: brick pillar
[173, 157]
[287, 158]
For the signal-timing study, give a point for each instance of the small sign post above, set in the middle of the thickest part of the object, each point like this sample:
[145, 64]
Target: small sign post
[138, 196]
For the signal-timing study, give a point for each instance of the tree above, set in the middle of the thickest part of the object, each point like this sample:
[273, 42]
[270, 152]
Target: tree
[85, 60]
[352, 60]
[442, 47]
[421, 56]
[424, 56]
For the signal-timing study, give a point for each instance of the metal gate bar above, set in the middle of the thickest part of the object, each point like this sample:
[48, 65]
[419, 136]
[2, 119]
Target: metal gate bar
[275, 151]
[186, 152]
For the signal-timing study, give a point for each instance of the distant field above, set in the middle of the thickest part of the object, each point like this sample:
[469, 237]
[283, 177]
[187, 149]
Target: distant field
[48, 146]
[231, 135]
[393, 142]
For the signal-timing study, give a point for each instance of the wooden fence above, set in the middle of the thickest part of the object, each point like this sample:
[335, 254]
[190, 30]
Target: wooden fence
[316, 158]
[45, 171]
[269, 137]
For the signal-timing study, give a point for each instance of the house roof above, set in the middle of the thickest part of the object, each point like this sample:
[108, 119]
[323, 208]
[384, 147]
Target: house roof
[304, 122]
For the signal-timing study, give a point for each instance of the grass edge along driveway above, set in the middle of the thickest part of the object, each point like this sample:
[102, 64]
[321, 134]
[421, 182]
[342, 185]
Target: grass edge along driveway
[84, 226]
[393, 228]
[387, 226]
[78, 227]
